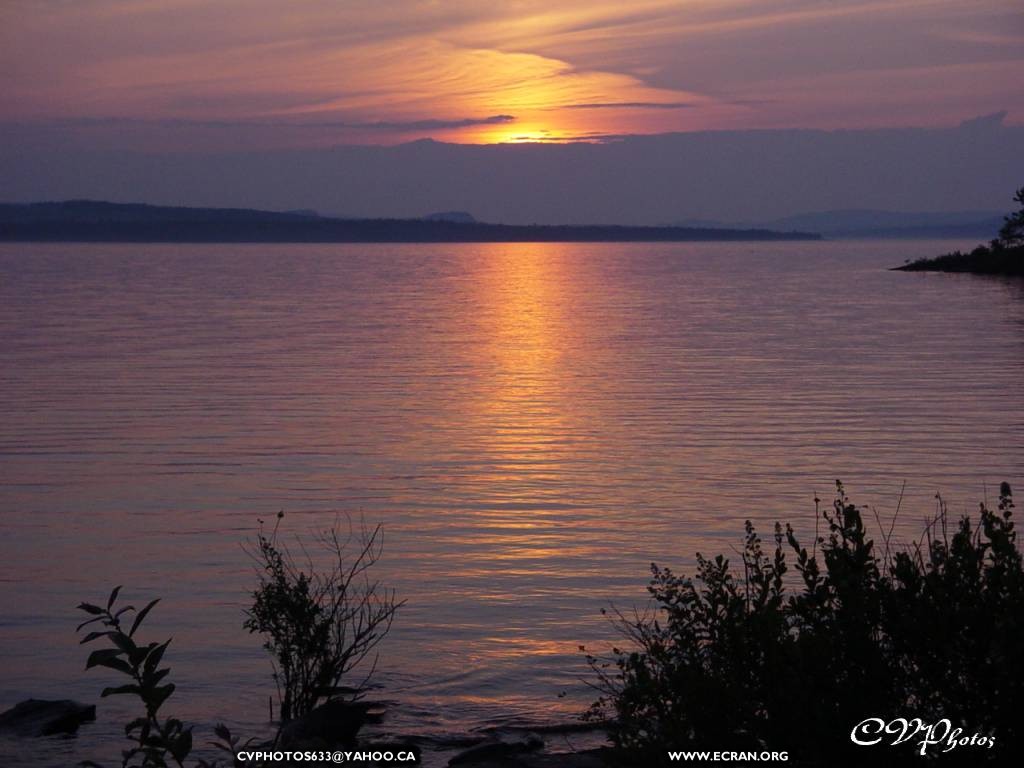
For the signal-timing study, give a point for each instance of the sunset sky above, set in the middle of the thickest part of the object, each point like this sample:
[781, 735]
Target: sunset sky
[188, 74]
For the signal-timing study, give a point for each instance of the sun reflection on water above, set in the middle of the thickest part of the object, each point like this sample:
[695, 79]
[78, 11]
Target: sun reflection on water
[527, 426]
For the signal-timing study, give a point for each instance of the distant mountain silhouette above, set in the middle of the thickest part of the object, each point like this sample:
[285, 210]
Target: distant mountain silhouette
[866, 223]
[873, 223]
[459, 217]
[93, 221]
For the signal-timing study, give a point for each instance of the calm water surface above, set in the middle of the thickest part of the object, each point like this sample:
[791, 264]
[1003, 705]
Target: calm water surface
[532, 423]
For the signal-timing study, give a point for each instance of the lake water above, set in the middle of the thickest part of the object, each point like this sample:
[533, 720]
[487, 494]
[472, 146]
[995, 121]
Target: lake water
[533, 424]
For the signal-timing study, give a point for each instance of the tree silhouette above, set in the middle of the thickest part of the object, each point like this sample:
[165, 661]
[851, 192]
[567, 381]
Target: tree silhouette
[1012, 232]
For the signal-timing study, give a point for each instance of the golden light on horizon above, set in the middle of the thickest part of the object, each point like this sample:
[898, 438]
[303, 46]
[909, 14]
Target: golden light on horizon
[514, 134]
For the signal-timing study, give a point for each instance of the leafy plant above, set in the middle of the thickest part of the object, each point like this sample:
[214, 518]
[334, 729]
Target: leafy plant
[157, 743]
[228, 743]
[737, 661]
[319, 624]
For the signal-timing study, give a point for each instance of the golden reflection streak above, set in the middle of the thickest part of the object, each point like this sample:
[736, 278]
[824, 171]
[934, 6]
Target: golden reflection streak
[523, 410]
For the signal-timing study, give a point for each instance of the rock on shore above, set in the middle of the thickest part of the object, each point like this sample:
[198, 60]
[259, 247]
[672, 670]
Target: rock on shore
[39, 717]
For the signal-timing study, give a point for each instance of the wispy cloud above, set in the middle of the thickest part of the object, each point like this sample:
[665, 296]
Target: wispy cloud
[430, 124]
[427, 124]
[632, 105]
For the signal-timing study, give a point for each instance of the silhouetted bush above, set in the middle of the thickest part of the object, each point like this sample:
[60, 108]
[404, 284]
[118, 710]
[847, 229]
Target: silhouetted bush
[319, 625]
[743, 662]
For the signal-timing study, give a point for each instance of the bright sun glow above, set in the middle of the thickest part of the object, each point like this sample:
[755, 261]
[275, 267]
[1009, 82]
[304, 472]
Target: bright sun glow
[522, 135]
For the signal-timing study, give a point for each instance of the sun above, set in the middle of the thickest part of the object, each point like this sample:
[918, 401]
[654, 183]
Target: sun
[521, 134]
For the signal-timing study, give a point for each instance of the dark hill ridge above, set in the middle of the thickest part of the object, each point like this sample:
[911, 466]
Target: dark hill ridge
[459, 217]
[92, 221]
[872, 223]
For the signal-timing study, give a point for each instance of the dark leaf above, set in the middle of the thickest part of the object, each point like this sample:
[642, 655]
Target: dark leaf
[92, 636]
[154, 657]
[141, 616]
[88, 622]
[123, 642]
[161, 694]
[98, 657]
[108, 657]
[119, 664]
[119, 690]
[182, 746]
